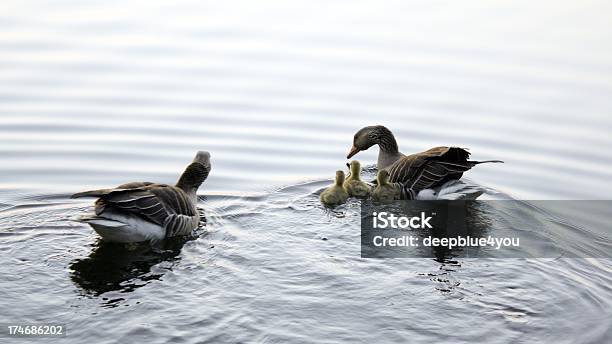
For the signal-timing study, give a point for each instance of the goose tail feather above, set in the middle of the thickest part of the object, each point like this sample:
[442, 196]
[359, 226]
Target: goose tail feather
[92, 193]
[486, 161]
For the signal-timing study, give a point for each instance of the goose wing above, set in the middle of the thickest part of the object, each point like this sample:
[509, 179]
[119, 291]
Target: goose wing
[165, 205]
[102, 192]
[430, 168]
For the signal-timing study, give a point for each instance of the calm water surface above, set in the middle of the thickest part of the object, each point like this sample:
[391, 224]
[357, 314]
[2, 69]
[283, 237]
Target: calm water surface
[96, 94]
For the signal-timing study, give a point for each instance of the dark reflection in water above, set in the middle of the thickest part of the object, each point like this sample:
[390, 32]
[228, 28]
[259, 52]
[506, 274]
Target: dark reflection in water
[126, 267]
[459, 214]
[121, 267]
[478, 219]
[452, 219]
[508, 229]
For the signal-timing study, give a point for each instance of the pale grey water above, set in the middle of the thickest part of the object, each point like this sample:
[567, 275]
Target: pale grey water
[96, 94]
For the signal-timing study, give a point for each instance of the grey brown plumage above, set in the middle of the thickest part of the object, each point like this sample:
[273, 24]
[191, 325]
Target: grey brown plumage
[418, 171]
[164, 205]
[164, 209]
[432, 167]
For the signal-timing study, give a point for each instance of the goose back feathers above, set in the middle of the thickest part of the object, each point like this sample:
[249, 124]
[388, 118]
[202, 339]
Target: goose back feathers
[415, 172]
[431, 168]
[142, 211]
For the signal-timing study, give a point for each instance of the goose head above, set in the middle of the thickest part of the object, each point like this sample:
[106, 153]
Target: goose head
[369, 136]
[195, 174]
[203, 157]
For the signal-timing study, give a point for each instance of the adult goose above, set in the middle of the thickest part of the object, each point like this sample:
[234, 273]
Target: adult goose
[145, 211]
[429, 169]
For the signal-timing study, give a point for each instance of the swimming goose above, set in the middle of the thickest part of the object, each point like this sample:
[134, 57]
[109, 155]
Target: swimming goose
[335, 194]
[353, 185]
[416, 172]
[144, 211]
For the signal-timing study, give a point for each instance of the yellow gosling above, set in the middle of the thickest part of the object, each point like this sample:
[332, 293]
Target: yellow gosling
[353, 185]
[335, 194]
[384, 191]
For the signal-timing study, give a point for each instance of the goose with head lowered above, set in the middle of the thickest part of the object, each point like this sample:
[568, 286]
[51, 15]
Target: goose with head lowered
[429, 169]
[145, 211]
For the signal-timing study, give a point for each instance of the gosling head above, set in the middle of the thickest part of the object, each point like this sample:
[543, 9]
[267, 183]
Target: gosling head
[369, 136]
[339, 178]
[355, 169]
[383, 177]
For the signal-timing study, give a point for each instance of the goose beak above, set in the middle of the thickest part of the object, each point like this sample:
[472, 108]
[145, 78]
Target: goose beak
[354, 150]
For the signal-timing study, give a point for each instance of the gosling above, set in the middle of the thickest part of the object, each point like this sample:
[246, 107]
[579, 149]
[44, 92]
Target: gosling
[335, 194]
[384, 191]
[353, 185]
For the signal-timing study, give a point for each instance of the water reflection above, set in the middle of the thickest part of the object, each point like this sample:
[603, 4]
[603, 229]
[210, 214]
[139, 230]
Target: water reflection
[121, 267]
[490, 229]
[449, 219]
